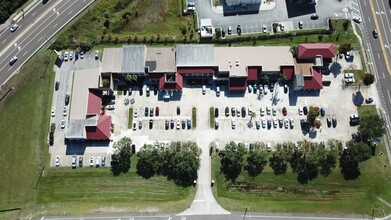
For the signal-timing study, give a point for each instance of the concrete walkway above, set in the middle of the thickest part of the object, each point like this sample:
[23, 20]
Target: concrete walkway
[204, 202]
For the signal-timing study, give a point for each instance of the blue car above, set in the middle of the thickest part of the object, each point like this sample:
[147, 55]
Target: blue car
[188, 123]
[322, 112]
[250, 88]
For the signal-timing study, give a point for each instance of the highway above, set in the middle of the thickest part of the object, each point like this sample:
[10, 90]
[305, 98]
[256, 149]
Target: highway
[36, 28]
[376, 14]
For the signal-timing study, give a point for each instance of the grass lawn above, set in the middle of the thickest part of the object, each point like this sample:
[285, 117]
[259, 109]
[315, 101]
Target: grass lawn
[24, 127]
[212, 117]
[194, 117]
[96, 190]
[327, 195]
[130, 122]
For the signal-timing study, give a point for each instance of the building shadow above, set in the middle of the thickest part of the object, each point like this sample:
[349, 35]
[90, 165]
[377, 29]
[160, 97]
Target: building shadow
[296, 10]
[79, 148]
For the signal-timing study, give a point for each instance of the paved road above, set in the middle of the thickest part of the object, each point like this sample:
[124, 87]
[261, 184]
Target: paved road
[234, 216]
[376, 14]
[252, 23]
[38, 26]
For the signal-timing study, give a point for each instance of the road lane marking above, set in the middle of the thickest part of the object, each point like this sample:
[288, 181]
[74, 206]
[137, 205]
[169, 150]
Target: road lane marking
[378, 55]
[33, 14]
[55, 25]
[4, 41]
[380, 36]
[388, 93]
[70, 12]
[24, 54]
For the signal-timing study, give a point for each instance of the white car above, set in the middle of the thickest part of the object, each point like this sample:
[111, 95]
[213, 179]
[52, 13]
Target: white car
[268, 110]
[263, 123]
[97, 164]
[58, 161]
[347, 55]
[178, 124]
[300, 111]
[70, 55]
[275, 122]
[249, 111]
[91, 161]
[96, 54]
[66, 56]
[14, 27]
[203, 90]
[286, 121]
[348, 75]
[135, 114]
[292, 123]
[357, 19]
[350, 80]
[264, 28]
[191, 8]
[190, 4]
[64, 112]
[233, 123]
[274, 112]
[282, 27]
[262, 111]
[110, 107]
[53, 111]
[62, 124]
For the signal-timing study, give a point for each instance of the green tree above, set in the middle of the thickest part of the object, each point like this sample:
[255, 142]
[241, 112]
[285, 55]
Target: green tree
[218, 33]
[148, 161]
[256, 162]
[371, 126]
[368, 79]
[355, 153]
[278, 163]
[313, 112]
[345, 47]
[231, 165]
[131, 78]
[121, 156]
[105, 82]
[327, 163]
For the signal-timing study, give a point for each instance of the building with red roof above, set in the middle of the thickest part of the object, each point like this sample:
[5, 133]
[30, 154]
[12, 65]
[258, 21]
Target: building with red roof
[310, 51]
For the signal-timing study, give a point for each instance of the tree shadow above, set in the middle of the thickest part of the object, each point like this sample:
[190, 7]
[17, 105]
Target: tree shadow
[335, 69]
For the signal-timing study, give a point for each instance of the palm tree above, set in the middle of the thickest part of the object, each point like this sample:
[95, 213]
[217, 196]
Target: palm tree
[282, 77]
[131, 78]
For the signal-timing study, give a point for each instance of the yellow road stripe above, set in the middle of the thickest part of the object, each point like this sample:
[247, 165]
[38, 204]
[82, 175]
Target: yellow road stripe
[380, 36]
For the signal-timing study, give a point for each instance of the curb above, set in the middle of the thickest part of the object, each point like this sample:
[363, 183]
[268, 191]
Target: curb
[26, 10]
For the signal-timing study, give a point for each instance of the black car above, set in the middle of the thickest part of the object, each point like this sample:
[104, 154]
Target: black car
[314, 17]
[216, 112]
[172, 123]
[151, 112]
[271, 87]
[305, 110]
[178, 110]
[369, 100]
[325, 71]
[80, 161]
[150, 124]
[375, 34]
[140, 124]
[334, 122]
[223, 33]
[243, 112]
[57, 85]
[328, 122]
[226, 111]
[44, 1]
[183, 123]
[233, 111]
[269, 123]
[239, 30]
[146, 111]
[167, 124]
[67, 99]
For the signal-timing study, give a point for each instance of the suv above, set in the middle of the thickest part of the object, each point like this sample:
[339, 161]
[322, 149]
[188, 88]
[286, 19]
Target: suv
[67, 99]
[354, 120]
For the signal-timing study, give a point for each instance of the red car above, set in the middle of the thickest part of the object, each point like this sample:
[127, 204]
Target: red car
[284, 111]
[157, 111]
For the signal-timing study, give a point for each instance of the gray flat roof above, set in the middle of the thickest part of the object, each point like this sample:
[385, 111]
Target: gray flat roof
[82, 81]
[270, 58]
[133, 60]
[112, 60]
[161, 59]
[195, 55]
[76, 128]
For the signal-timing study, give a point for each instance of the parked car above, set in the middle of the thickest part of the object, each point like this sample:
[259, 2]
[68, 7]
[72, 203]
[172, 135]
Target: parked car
[233, 123]
[151, 112]
[274, 110]
[271, 87]
[183, 123]
[71, 55]
[350, 80]
[188, 123]
[281, 123]
[257, 123]
[150, 123]
[157, 111]
[314, 17]
[80, 161]
[286, 88]
[74, 161]
[239, 29]
[369, 100]
[96, 54]
[203, 90]
[81, 54]
[243, 112]
[262, 111]
[57, 162]
[300, 25]
[110, 107]
[292, 123]
[305, 110]
[328, 122]
[268, 111]
[282, 27]
[178, 110]
[218, 91]
[275, 123]
[140, 124]
[223, 33]
[146, 112]
[263, 123]
[190, 4]
[216, 112]
[226, 112]
[172, 123]
[334, 122]
[62, 124]
[97, 162]
[354, 120]
[66, 56]
[286, 123]
[300, 111]
[103, 161]
[238, 112]
[216, 123]
[269, 123]
[91, 161]
[264, 29]
[134, 126]
[233, 112]
[53, 111]
[67, 97]
[229, 30]
[322, 111]
[178, 124]
[284, 111]
[167, 124]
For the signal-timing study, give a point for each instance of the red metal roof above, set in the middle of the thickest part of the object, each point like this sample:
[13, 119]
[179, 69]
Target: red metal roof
[94, 101]
[288, 71]
[252, 72]
[309, 51]
[314, 82]
[188, 70]
[101, 131]
[237, 83]
[177, 85]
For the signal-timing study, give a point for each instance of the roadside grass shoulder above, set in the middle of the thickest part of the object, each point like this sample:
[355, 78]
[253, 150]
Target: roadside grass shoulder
[212, 117]
[24, 116]
[130, 119]
[194, 117]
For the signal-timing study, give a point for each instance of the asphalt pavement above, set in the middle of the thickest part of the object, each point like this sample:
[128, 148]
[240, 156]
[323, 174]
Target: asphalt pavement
[36, 28]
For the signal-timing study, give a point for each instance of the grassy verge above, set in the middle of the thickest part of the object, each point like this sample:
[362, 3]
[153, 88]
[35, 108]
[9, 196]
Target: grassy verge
[96, 190]
[212, 117]
[194, 117]
[24, 127]
[130, 122]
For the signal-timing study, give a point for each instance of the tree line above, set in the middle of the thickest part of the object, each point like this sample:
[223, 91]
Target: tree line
[178, 161]
[8, 7]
